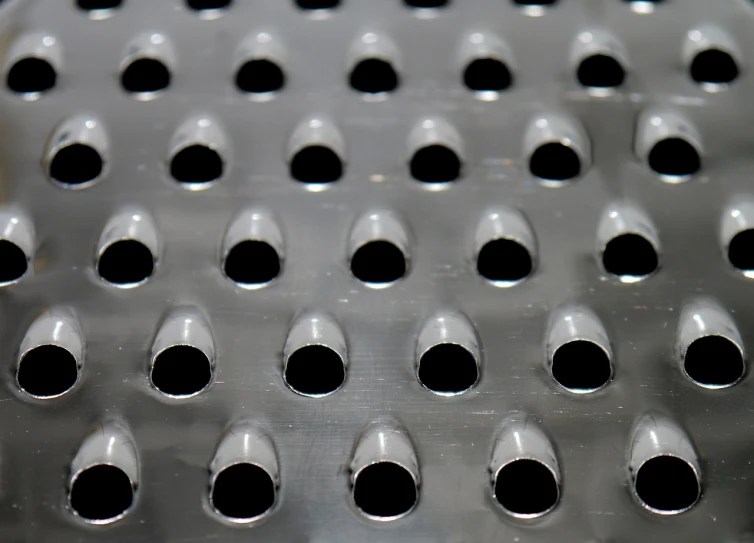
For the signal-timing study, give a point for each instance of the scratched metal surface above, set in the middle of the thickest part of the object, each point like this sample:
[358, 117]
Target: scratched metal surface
[315, 437]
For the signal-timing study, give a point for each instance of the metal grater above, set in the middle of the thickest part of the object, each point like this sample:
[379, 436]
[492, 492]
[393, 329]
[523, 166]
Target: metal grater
[461, 271]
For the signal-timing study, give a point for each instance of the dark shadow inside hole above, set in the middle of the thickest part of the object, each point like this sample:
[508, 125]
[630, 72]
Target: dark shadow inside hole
[526, 487]
[555, 162]
[487, 74]
[535, 2]
[427, 3]
[243, 491]
[714, 66]
[581, 365]
[125, 262]
[145, 75]
[181, 370]
[76, 164]
[252, 262]
[667, 483]
[448, 369]
[31, 75]
[315, 370]
[600, 71]
[200, 5]
[90, 5]
[674, 157]
[316, 164]
[373, 75]
[47, 370]
[317, 4]
[741, 250]
[504, 260]
[435, 164]
[196, 164]
[714, 361]
[260, 76]
[101, 492]
[378, 262]
[13, 264]
[385, 490]
[630, 255]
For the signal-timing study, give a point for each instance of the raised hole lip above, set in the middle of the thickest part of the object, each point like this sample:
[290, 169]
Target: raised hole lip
[53, 396]
[737, 220]
[556, 128]
[716, 86]
[583, 391]
[710, 386]
[602, 90]
[74, 186]
[259, 96]
[526, 516]
[101, 522]
[125, 286]
[745, 272]
[99, 14]
[318, 394]
[18, 219]
[450, 394]
[145, 96]
[83, 130]
[566, 143]
[245, 285]
[195, 186]
[244, 520]
[643, 7]
[667, 512]
[377, 517]
[508, 283]
[208, 14]
[384, 62]
[630, 279]
[658, 125]
[385, 284]
[206, 387]
[673, 178]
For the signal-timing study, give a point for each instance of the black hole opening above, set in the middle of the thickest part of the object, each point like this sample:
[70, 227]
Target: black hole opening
[667, 483]
[487, 74]
[714, 66]
[435, 164]
[181, 370]
[427, 3]
[674, 157]
[535, 2]
[259, 76]
[252, 262]
[630, 255]
[31, 75]
[555, 162]
[374, 75]
[47, 370]
[526, 487]
[581, 365]
[101, 492]
[504, 260]
[125, 262]
[714, 361]
[317, 4]
[13, 264]
[76, 164]
[316, 164]
[602, 71]
[196, 164]
[145, 75]
[91, 5]
[448, 369]
[378, 262]
[385, 490]
[315, 370]
[201, 5]
[243, 491]
[741, 250]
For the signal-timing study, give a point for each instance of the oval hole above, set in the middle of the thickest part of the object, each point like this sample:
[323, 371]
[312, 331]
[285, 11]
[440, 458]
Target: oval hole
[101, 493]
[526, 488]
[181, 370]
[47, 371]
[385, 490]
[487, 74]
[92, 5]
[260, 76]
[600, 71]
[243, 491]
[741, 250]
[196, 164]
[378, 262]
[714, 66]
[674, 157]
[555, 162]
[202, 5]
[426, 4]
[317, 4]
[315, 370]
[667, 484]
[714, 362]
[76, 164]
[126, 262]
[31, 75]
[435, 164]
[581, 366]
[316, 164]
[373, 76]
[145, 75]
[252, 263]
[14, 264]
[504, 261]
[630, 256]
[448, 369]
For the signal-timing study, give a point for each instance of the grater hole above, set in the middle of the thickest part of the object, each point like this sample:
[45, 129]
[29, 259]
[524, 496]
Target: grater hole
[201, 5]
[674, 157]
[554, 162]
[378, 262]
[316, 164]
[315, 370]
[667, 483]
[252, 263]
[714, 66]
[145, 75]
[91, 5]
[504, 261]
[385, 490]
[426, 4]
[260, 76]
[714, 361]
[317, 4]
[101, 492]
[76, 164]
[600, 71]
[526, 488]
[448, 369]
[196, 164]
[581, 366]
[243, 491]
[14, 264]
[487, 74]
[126, 262]
[181, 370]
[435, 164]
[31, 75]
[373, 76]
[630, 256]
[47, 371]
[741, 250]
